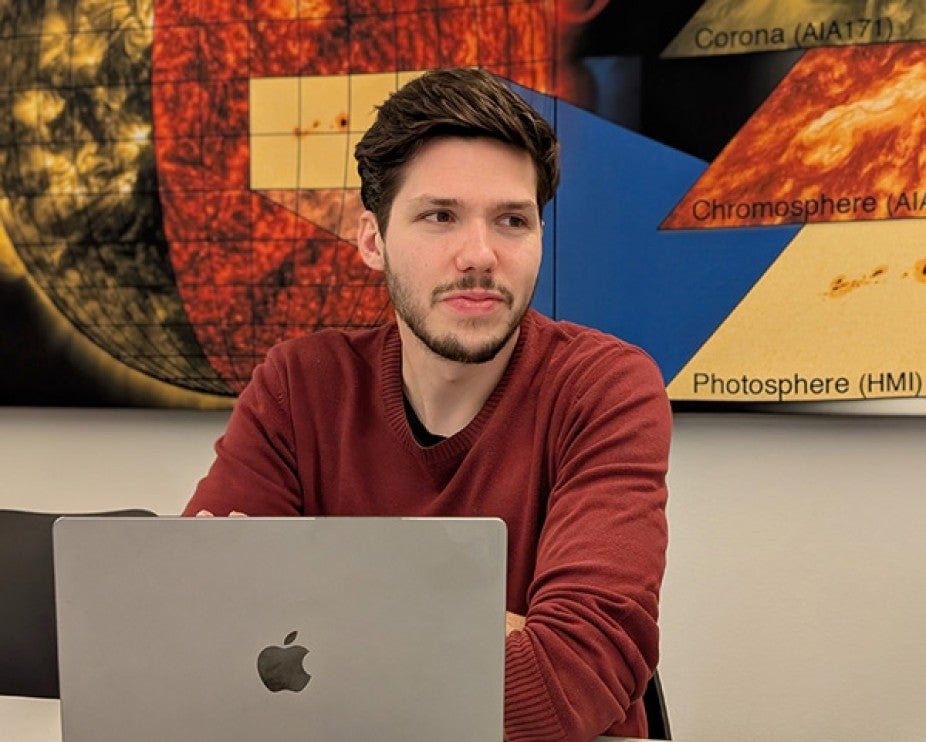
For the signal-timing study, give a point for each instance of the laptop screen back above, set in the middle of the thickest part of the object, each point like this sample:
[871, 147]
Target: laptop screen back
[280, 628]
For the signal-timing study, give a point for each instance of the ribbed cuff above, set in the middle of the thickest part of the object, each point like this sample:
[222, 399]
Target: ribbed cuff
[529, 715]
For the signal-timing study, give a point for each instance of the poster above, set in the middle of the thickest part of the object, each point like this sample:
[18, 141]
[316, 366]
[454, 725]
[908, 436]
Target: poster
[742, 185]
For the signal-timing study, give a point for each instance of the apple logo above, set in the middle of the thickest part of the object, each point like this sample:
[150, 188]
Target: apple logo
[280, 668]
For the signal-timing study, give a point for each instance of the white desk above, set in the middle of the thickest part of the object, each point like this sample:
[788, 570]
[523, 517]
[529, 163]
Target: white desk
[39, 720]
[30, 719]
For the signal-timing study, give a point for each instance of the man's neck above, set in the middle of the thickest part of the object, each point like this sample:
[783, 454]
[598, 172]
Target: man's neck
[447, 395]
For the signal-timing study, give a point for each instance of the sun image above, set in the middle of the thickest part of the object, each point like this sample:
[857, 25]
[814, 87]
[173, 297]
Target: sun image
[842, 138]
[176, 176]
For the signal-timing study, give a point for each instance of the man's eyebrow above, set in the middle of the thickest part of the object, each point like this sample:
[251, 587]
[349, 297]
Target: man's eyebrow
[429, 200]
[528, 204]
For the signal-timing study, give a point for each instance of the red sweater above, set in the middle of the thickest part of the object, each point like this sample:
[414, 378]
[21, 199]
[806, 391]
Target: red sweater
[570, 450]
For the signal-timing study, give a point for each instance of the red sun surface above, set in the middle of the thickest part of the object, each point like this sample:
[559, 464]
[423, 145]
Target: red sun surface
[842, 138]
[254, 268]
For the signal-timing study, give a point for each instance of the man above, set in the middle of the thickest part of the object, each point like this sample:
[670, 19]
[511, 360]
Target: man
[471, 403]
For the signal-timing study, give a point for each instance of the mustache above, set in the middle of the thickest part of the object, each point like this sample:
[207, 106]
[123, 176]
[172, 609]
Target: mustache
[467, 283]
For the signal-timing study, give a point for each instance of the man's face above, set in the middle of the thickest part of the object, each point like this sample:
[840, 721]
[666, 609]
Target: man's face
[463, 247]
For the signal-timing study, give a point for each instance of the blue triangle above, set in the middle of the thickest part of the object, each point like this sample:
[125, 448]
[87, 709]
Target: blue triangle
[666, 291]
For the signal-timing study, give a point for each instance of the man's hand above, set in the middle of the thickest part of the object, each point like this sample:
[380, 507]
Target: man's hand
[513, 622]
[232, 514]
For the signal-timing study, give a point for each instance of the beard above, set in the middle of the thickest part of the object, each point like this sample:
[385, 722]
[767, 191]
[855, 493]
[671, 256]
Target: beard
[449, 345]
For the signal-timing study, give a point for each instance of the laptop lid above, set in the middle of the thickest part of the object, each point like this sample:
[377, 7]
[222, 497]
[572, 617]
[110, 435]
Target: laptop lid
[280, 628]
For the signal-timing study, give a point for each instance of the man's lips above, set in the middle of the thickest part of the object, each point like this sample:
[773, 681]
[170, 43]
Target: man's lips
[474, 303]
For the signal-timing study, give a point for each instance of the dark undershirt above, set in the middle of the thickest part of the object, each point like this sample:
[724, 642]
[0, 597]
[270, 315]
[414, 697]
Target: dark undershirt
[424, 436]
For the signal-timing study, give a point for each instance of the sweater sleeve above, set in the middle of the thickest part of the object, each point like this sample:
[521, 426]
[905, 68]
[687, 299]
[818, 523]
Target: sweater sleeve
[254, 471]
[590, 643]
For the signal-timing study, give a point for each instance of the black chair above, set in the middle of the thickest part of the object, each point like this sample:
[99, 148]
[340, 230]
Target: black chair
[657, 716]
[28, 634]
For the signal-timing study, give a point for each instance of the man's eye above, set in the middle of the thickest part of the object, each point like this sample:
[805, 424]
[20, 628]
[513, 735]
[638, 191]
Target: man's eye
[441, 217]
[513, 220]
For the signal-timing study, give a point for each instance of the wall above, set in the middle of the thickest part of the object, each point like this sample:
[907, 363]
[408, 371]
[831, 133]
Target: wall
[794, 597]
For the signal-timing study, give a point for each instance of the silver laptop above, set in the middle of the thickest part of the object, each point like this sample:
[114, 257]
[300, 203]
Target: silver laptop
[280, 629]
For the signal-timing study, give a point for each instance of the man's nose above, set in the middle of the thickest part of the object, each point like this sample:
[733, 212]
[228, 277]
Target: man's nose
[476, 251]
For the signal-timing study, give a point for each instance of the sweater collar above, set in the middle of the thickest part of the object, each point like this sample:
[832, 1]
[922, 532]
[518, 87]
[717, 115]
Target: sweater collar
[392, 396]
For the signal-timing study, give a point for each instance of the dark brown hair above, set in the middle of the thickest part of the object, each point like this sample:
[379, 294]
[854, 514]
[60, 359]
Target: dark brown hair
[461, 102]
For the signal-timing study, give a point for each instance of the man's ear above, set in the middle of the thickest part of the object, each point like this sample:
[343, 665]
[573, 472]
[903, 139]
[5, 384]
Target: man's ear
[370, 242]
